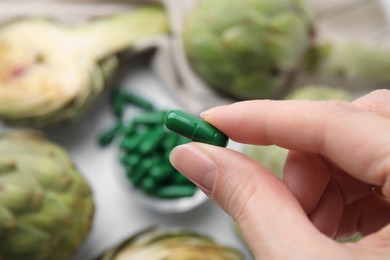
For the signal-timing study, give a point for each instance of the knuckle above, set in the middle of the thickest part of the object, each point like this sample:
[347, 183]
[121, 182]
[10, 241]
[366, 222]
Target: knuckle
[377, 101]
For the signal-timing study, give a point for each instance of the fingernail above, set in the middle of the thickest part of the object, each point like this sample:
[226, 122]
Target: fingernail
[195, 164]
[211, 110]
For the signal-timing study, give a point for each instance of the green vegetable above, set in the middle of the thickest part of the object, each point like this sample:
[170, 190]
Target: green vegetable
[273, 157]
[50, 72]
[46, 206]
[354, 64]
[248, 48]
[319, 92]
[180, 244]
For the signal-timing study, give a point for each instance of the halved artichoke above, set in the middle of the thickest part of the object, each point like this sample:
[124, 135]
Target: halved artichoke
[49, 71]
[153, 244]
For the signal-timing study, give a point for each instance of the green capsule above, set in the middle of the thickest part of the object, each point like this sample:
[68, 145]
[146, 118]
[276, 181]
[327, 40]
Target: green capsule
[138, 101]
[170, 141]
[194, 128]
[149, 162]
[179, 178]
[109, 135]
[149, 184]
[175, 191]
[131, 160]
[132, 142]
[155, 118]
[129, 171]
[128, 129]
[135, 177]
[161, 172]
[182, 140]
[152, 140]
[118, 103]
[143, 168]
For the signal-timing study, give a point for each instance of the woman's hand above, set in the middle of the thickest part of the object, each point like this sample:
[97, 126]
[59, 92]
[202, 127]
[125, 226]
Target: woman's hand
[336, 177]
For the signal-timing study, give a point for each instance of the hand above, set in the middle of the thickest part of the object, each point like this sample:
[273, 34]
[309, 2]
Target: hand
[336, 177]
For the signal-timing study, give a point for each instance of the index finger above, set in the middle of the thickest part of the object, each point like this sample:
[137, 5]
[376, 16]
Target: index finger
[356, 140]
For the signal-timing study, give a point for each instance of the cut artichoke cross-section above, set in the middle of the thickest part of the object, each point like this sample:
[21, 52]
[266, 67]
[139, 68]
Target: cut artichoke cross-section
[50, 71]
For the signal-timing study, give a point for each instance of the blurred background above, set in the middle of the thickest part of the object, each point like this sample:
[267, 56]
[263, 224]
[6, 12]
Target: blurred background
[96, 78]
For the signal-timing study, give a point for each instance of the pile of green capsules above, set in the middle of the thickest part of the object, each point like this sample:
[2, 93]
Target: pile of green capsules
[145, 145]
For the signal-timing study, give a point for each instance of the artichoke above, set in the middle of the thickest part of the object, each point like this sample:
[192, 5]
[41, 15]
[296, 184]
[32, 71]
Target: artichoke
[46, 206]
[319, 92]
[273, 157]
[50, 72]
[352, 64]
[248, 48]
[151, 244]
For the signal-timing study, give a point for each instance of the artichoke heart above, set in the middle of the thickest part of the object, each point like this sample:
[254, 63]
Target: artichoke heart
[46, 206]
[49, 71]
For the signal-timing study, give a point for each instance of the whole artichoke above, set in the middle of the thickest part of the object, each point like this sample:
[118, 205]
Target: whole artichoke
[348, 63]
[248, 48]
[153, 244]
[273, 157]
[46, 206]
[49, 72]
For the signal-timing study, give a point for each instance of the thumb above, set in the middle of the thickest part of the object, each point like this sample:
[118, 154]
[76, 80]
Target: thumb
[267, 214]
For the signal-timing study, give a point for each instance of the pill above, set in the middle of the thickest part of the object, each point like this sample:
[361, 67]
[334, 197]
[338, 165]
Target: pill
[132, 142]
[148, 184]
[152, 140]
[107, 137]
[143, 168]
[161, 172]
[128, 129]
[150, 118]
[118, 103]
[131, 160]
[175, 191]
[170, 141]
[149, 162]
[194, 128]
[179, 178]
[138, 101]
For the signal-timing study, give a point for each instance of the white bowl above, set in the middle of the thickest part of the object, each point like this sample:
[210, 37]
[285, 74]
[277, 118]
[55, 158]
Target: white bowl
[155, 204]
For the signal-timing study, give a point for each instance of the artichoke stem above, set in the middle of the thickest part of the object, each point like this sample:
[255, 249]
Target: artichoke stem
[105, 37]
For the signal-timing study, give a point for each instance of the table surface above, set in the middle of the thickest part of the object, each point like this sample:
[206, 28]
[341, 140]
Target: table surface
[117, 215]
